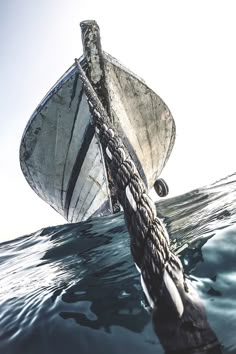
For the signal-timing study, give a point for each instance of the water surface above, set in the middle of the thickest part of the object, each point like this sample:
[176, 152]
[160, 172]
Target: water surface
[74, 288]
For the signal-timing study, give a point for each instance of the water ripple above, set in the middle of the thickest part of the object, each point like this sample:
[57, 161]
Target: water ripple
[68, 288]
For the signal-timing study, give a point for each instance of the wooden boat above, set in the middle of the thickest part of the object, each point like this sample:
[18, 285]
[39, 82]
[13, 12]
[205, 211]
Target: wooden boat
[60, 155]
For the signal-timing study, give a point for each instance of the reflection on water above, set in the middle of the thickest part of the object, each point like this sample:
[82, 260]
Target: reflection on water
[73, 287]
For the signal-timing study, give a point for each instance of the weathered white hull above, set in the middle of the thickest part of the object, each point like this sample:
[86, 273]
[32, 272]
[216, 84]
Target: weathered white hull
[142, 119]
[61, 157]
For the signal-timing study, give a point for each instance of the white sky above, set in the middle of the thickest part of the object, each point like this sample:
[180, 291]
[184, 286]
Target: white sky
[184, 50]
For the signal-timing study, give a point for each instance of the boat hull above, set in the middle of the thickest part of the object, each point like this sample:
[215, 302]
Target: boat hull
[62, 159]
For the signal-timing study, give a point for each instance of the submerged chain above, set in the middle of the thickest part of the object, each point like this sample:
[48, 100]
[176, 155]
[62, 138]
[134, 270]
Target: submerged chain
[149, 238]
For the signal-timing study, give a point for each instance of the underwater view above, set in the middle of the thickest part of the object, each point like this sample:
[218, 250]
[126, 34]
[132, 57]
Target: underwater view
[75, 289]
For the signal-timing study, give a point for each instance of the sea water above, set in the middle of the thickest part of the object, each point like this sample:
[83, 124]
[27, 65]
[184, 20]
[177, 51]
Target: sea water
[75, 289]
